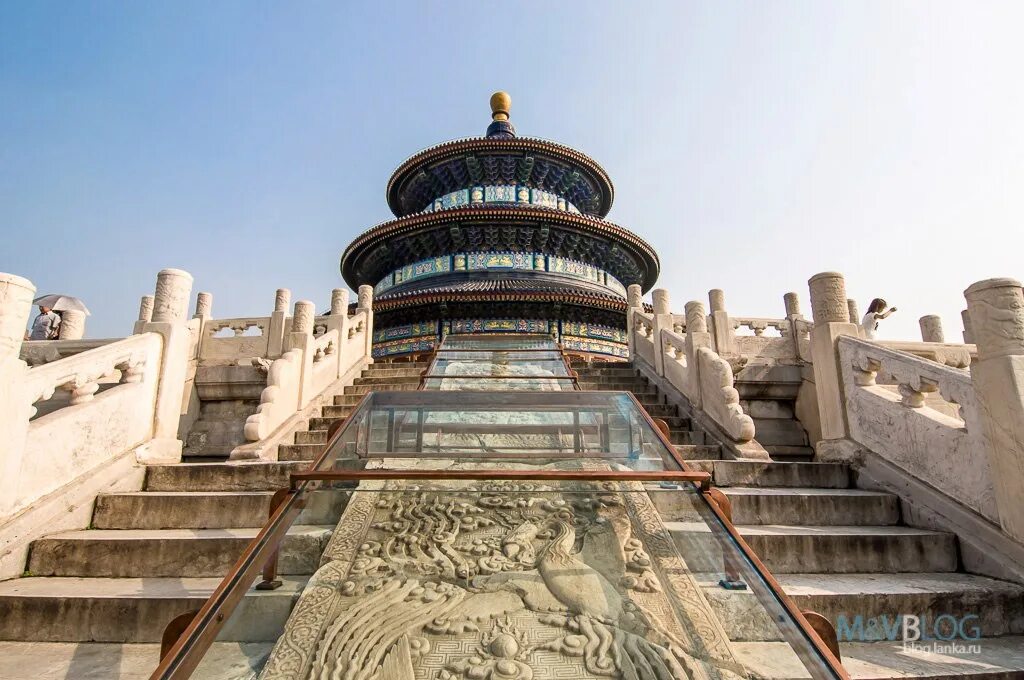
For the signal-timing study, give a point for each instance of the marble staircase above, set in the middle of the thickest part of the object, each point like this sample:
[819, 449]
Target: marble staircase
[836, 549]
[154, 554]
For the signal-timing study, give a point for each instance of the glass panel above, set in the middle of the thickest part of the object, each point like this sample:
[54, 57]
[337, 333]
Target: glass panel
[499, 341]
[515, 363]
[543, 580]
[549, 430]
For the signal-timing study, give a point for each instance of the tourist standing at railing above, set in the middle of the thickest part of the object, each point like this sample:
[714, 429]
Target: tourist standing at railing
[876, 311]
[45, 326]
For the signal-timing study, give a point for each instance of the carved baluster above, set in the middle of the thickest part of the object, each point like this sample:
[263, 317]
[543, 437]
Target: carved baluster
[865, 370]
[913, 393]
[131, 371]
[82, 389]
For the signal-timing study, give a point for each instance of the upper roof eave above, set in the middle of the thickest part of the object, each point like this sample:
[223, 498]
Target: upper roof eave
[455, 147]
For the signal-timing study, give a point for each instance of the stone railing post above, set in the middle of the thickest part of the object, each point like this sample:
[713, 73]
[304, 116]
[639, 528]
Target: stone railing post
[697, 336]
[301, 338]
[719, 324]
[931, 328]
[338, 320]
[852, 311]
[965, 316]
[831, 320]
[662, 320]
[145, 314]
[278, 319]
[365, 304]
[72, 325]
[15, 309]
[204, 306]
[170, 320]
[996, 308]
[634, 300]
[792, 302]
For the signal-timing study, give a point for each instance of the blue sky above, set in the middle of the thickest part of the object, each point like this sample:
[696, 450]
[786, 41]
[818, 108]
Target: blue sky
[753, 144]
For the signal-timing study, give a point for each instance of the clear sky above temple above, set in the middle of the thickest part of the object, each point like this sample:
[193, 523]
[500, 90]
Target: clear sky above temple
[753, 144]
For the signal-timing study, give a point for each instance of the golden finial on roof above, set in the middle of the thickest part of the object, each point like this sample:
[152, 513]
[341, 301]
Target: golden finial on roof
[501, 102]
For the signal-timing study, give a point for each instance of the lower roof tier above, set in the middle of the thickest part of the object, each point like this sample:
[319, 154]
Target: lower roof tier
[504, 294]
[391, 246]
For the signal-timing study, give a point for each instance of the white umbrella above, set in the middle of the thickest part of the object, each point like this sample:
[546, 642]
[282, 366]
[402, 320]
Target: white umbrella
[61, 303]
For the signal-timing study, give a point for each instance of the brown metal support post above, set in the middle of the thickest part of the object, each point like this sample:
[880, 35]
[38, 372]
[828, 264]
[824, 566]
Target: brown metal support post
[732, 580]
[270, 580]
[825, 630]
[173, 631]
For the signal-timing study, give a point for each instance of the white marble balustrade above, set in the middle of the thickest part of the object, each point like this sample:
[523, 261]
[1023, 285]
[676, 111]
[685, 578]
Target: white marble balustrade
[911, 422]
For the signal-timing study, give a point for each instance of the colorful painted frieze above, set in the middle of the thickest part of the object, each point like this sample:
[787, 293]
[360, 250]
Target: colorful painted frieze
[407, 331]
[385, 284]
[580, 270]
[589, 330]
[502, 193]
[499, 326]
[455, 199]
[404, 346]
[594, 346]
[477, 261]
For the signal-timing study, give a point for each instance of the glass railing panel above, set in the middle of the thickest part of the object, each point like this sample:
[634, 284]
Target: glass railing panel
[567, 430]
[540, 579]
[509, 341]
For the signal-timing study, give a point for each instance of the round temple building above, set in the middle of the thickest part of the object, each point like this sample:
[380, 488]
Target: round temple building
[499, 234]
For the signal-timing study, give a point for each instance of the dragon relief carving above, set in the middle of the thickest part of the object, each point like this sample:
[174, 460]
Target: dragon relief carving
[497, 582]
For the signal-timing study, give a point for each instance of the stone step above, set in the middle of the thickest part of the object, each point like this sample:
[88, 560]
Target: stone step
[392, 374]
[681, 437]
[132, 661]
[727, 473]
[128, 553]
[337, 410]
[182, 510]
[205, 510]
[615, 385]
[331, 415]
[676, 422]
[300, 452]
[311, 437]
[999, 605]
[772, 432]
[768, 408]
[791, 454]
[382, 387]
[649, 399]
[864, 606]
[661, 410]
[812, 506]
[131, 609]
[346, 400]
[787, 549]
[245, 476]
[699, 451]
[388, 380]
[610, 370]
[1000, 659]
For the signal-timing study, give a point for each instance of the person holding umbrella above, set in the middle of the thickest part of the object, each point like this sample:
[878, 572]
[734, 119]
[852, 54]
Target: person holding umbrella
[46, 326]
